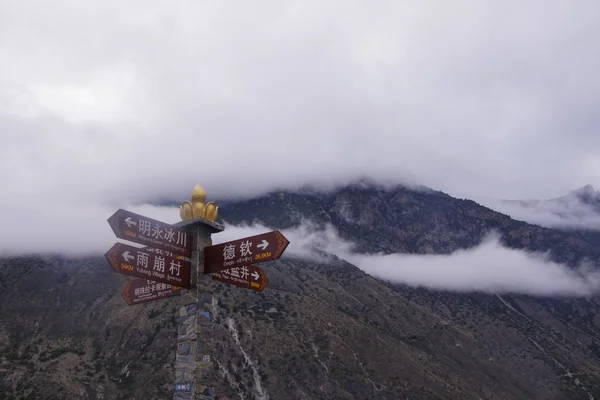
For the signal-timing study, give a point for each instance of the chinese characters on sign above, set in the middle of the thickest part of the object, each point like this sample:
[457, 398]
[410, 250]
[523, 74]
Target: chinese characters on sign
[265, 247]
[229, 252]
[246, 276]
[140, 263]
[142, 290]
[156, 234]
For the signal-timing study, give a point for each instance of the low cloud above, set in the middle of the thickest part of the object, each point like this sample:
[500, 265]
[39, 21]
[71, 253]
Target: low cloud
[569, 213]
[62, 227]
[489, 267]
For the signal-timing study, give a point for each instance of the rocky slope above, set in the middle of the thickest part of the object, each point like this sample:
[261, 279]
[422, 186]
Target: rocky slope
[65, 333]
[319, 331]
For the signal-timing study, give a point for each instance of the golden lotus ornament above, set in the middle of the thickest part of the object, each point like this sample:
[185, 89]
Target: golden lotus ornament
[198, 206]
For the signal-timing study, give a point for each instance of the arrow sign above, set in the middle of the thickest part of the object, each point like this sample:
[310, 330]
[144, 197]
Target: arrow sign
[130, 223]
[141, 263]
[247, 276]
[265, 247]
[150, 232]
[127, 257]
[142, 290]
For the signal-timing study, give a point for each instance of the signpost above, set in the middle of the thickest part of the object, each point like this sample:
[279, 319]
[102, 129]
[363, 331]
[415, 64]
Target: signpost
[237, 253]
[247, 276]
[150, 232]
[142, 290]
[140, 263]
[164, 267]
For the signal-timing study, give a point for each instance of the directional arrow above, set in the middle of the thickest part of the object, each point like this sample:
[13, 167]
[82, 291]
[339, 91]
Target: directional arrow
[263, 245]
[128, 256]
[248, 277]
[130, 222]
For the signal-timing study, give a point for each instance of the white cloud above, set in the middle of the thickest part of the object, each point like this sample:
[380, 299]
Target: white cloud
[66, 228]
[567, 213]
[577, 216]
[83, 230]
[106, 104]
[489, 267]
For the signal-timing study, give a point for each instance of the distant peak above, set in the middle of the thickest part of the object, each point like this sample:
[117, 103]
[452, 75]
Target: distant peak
[587, 189]
[586, 195]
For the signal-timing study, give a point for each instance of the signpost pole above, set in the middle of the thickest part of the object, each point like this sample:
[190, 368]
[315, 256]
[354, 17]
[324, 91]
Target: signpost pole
[195, 371]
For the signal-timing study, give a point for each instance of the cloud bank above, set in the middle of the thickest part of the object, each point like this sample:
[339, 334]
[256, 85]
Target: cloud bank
[66, 228]
[489, 267]
[571, 216]
[568, 213]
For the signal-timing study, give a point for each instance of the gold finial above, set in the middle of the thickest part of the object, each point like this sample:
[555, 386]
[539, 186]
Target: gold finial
[197, 207]
[198, 194]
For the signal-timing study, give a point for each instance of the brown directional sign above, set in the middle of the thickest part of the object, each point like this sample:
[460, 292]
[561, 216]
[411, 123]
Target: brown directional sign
[247, 276]
[150, 232]
[142, 290]
[265, 247]
[140, 263]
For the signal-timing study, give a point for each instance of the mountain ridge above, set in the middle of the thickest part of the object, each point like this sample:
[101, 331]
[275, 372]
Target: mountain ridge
[387, 221]
[585, 195]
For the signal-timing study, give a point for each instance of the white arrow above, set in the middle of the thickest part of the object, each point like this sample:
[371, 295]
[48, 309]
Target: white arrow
[127, 256]
[255, 275]
[130, 222]
[263, 245]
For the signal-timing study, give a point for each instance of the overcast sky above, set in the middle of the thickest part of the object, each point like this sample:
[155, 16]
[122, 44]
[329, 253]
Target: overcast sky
[107, 103]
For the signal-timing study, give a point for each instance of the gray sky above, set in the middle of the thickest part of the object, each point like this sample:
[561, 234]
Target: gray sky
[105, 103]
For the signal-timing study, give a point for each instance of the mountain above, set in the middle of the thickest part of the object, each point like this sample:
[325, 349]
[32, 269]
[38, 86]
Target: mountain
[585, 195]
[400, 219]
[319, 330]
